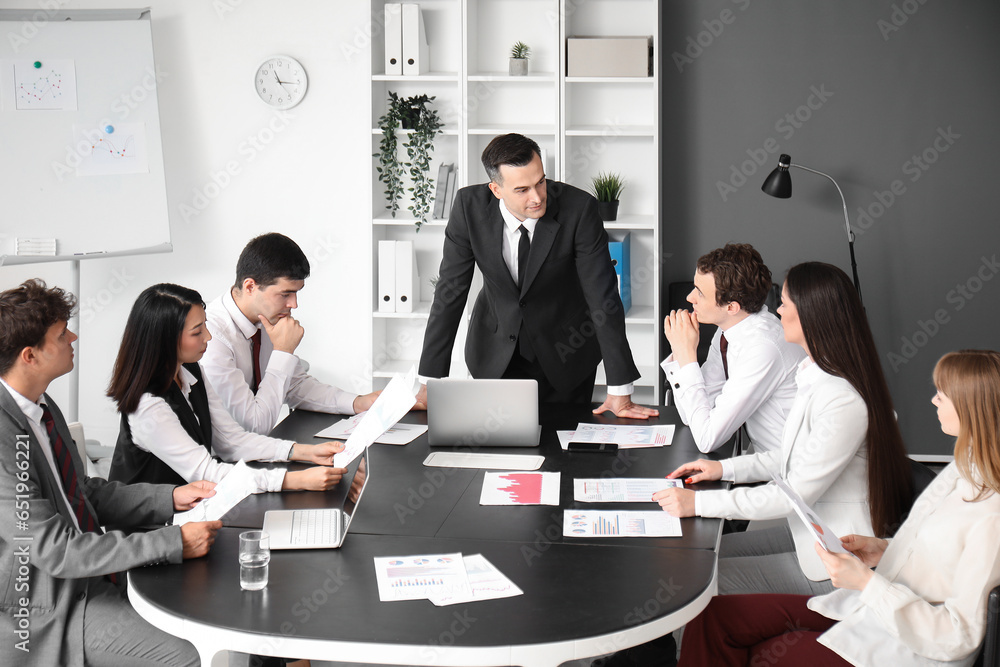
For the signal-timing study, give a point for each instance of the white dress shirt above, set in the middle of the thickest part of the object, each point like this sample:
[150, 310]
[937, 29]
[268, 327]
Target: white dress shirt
[228, 367]
[926, 602]
[511, 239]
[157, 429]
[33, 412]
[760, 389]
[822, 457]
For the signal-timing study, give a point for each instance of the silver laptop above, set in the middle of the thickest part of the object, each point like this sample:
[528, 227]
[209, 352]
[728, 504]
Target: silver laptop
[320, 528]
[482, 413]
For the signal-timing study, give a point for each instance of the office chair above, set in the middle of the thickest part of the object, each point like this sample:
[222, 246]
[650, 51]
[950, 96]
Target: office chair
[989, 656]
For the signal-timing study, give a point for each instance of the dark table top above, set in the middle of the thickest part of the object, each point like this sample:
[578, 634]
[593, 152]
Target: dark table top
[573, 588]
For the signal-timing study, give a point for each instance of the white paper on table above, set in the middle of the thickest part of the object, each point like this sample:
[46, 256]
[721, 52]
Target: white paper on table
[234, 487]
[421, 577]
[823, 533]
[400, 434]
[520, 488]
[394, 402]
[621, 490]
[626, 437]
[611, 523]
[488, 583]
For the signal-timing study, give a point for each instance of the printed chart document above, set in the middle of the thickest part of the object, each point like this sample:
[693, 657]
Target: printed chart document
[621, 490]
[611, 523]
[488, 583]
[400, 434]
[233, 488]
[394, 402]
[421, 577]
[823, 534]
[626, 437]
[520, 488]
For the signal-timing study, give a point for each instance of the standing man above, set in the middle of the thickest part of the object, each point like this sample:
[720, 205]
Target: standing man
[749, 376]
[250, 361]
[67, 604]
[549, 309]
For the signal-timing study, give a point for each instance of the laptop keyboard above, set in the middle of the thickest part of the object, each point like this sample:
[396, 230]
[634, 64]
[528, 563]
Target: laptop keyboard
[314, 527]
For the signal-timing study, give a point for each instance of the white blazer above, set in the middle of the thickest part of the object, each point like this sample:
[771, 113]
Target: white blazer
[822, 457]
[926, 603]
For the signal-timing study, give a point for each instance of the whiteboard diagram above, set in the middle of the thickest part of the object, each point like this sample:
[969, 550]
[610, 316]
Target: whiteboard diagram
[48, 84]
[112, 149]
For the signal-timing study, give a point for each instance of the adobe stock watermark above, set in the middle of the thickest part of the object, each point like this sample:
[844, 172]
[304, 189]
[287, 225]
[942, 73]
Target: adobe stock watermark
[38, 20]
[786, 127]
[958, 297]
[121, 108]
[224, 7]
[95, 304]
[915, 167]
[219, 180]
[898, 17]
[363, 35]
[703, 39]
[585, 154]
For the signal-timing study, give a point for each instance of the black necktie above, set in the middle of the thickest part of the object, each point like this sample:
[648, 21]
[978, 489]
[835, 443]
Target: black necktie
[255, 350]
[723, 348]
[523, 246]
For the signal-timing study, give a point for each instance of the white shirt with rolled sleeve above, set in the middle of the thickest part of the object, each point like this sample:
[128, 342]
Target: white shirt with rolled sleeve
[157, 429]
[760, 390]
[228, 366]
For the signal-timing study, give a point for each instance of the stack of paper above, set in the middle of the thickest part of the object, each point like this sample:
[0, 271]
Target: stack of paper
[626, 437]
[441, 578]
[36, 247]
[400, 434]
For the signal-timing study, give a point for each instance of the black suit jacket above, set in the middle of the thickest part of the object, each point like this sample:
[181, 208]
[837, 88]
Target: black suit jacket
[568, 300]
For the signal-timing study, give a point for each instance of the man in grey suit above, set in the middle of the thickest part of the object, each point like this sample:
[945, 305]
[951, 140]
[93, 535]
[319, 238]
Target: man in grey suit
[64, 602]
[549, 309]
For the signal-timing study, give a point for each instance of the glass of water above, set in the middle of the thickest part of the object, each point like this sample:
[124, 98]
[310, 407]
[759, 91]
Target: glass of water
[255, 554]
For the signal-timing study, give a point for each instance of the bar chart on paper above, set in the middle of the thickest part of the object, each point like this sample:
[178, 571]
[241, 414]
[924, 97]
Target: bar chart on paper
[606, 523]
[520, 488]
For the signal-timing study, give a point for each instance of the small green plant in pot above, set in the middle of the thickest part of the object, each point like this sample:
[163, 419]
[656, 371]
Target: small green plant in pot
[607, 188]
[422, 124]
[518, 63]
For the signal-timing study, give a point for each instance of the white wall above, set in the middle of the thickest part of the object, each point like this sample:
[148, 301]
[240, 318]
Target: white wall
[298, 173]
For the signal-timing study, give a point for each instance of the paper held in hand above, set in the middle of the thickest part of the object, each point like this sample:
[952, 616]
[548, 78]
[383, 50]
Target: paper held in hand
[394, 402]
[823, 533]
[234, 487]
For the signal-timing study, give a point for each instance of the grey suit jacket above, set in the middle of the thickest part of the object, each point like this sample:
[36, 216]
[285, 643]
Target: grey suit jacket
[46, 563]
[568, 299]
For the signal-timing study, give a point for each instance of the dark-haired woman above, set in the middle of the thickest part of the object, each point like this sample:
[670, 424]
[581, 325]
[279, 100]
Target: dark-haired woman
[925, 602]
[172, 420]
[842, 451]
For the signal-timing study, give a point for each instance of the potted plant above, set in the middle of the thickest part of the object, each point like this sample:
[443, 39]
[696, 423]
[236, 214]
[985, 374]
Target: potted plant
[607, 188]
[422, 124]
[518, 63]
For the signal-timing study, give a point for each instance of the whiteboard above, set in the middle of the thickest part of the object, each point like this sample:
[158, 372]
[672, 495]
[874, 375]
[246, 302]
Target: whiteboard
[89, 172]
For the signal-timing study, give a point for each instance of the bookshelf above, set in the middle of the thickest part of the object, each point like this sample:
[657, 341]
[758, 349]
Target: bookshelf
[585, 125]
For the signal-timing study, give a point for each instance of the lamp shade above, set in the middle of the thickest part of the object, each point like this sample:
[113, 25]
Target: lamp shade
[779, 182]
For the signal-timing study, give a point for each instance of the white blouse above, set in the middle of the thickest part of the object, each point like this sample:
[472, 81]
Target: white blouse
[926, 602]
[157, 429]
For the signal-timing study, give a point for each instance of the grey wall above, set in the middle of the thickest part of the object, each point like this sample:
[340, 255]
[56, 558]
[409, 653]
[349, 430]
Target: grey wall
[902, 93]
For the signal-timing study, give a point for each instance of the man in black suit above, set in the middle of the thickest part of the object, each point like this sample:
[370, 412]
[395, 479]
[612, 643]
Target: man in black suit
[549, 309]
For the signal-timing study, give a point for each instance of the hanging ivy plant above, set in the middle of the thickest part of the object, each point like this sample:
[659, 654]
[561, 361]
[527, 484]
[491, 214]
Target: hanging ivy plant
[422, 124]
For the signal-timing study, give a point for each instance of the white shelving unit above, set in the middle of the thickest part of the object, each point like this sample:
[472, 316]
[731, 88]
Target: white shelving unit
[585, 125]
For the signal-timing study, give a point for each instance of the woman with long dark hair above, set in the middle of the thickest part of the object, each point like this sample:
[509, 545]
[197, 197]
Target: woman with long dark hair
[925, 601]
[172, 420]
[842, 451]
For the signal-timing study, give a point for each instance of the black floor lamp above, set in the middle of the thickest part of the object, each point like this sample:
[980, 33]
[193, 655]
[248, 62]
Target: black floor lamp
[779, 184]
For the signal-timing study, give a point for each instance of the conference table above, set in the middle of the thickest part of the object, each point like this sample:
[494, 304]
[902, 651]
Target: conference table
[582, 597]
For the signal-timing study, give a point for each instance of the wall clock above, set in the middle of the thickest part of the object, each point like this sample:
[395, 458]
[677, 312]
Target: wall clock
[281, 82]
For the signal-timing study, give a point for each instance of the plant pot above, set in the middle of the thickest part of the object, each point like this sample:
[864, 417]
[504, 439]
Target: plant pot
[518, 66]
[608, 210]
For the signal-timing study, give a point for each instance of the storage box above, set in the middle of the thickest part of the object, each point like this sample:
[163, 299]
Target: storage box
[609, 56]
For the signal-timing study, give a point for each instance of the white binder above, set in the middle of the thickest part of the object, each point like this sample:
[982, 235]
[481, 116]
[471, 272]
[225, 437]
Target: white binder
[415, 57]
[407, 283]
[393, 39]
[386, 276]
